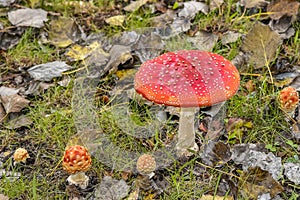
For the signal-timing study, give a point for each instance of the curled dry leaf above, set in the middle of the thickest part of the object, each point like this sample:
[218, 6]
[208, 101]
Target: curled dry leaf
[260, 45]
[280, 8]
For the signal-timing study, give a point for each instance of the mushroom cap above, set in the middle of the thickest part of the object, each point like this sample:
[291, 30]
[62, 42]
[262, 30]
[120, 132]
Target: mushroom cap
[187, 78]
[76, 159]
[20, 155]
[288, 99]
[146, 164]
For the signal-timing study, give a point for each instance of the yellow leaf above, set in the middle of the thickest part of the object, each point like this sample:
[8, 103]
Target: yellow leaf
[117, 20]
[210, 197]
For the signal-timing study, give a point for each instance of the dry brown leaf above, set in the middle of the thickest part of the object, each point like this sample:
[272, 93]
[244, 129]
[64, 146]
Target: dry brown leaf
[280, 8]
[14, 103]
[215, 153]
[63, 32]
[256, 182]
[260, 45]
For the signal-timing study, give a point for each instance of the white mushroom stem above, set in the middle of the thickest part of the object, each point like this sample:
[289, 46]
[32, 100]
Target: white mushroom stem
[186, 132]
[79, 179]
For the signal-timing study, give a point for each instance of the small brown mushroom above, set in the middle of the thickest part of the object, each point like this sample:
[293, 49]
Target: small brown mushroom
[146, 165]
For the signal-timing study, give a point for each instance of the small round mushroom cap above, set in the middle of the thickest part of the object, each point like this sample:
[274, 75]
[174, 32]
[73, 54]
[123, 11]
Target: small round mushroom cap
[76, 159]
[288, 99]
[145, 164]
[20, 155]
[187, 78]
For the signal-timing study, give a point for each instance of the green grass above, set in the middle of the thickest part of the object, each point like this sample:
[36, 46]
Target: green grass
[54, 125]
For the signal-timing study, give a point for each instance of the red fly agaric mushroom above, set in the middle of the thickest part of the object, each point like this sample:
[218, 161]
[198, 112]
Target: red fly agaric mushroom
[288, 99]
[187, 79]
[77, 161]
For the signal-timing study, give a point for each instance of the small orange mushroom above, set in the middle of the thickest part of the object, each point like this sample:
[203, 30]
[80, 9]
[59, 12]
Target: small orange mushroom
[20, 155]
[77, 161]
[288, 99]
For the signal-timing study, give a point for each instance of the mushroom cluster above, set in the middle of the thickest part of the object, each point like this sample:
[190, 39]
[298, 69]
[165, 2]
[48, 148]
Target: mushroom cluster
[77, 161]
[288, 99]
[188, 79]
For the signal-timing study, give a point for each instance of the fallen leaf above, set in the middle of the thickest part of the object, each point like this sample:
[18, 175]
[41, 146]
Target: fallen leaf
[261, 44]
[116, 20]
[280, 8]
[6, 91]
[230, 37]
[216, 197]
[203, 40]
[48, 71]
[215, 153]
[77, 52]
[281, 25]
[2, 113]
[292, 172]
[248, 156]
[161, 20]
[10, 37]
[253, 3]
[135, 5]
[18, 122]
[256, 182]
[148, 45]
[110, 188]
[191, 8]
[28, 17]
[64, 31]
[14, 103]
[119, 54]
